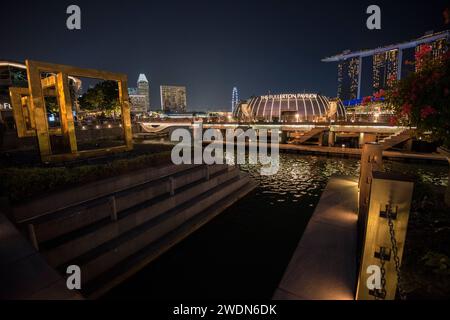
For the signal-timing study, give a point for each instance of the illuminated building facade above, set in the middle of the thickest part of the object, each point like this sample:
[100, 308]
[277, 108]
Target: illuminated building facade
[385, 69]
[438, 49]
[140, 96]
[173, 99]
[234, 99]
[348, 78]
[301, 107]
[138, 103]
[143, 89]
[388, 65]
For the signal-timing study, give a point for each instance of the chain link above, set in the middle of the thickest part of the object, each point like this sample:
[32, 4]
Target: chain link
[395, 254]
[383, 276]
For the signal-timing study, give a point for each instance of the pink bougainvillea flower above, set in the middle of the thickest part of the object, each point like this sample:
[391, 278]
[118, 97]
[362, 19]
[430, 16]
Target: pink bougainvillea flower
[406, 109]
[427, 111]
[393, 120]
[366, 100]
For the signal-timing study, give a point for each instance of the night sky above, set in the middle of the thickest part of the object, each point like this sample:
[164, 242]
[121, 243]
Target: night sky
[211, 46]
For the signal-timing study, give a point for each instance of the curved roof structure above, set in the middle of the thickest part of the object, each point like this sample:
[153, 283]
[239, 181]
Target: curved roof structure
[290, 108]
[19, 65]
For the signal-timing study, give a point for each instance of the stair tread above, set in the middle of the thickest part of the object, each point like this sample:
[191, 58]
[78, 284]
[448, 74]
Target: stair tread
[130, 234]
[85, 230]
[153, 250]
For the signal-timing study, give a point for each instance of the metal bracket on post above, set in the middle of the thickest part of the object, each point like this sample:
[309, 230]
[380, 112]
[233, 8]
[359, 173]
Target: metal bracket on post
[383, 254]
[378, 294]
[388, 212]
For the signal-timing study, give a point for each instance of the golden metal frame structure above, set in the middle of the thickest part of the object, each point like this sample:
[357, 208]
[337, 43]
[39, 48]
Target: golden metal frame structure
[31, 116]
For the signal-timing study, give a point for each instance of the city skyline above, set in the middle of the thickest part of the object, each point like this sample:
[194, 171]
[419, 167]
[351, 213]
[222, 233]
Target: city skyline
[207, 51]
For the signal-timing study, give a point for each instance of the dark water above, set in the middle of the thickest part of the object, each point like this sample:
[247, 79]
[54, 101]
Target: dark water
[243, 253]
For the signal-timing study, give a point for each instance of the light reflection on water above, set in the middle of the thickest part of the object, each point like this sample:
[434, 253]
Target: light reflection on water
[299, 177]
[303, 176]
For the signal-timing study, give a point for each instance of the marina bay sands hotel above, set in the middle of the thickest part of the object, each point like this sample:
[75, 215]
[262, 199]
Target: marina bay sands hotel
[363, 72]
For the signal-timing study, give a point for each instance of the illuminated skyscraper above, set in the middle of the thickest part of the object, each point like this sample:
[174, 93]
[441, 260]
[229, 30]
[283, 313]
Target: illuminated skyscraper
[392, 62]
[438, 48]
[234, 99]
[173, 99]
[385, 69]
[348, 78]
[143, 89]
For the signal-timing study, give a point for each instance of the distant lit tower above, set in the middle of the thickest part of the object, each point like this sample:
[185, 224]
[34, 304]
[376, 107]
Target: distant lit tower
[143, 88]
[234, 99]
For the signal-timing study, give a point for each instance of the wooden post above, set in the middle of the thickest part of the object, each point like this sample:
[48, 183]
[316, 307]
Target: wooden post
[390, 196]
[371, 159]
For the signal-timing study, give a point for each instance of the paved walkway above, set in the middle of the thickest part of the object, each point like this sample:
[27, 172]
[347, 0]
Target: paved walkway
[323, 266]
[357, 152]
[24, 274]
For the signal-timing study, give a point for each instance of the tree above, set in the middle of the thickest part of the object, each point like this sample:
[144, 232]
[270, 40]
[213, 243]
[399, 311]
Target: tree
[103, 97]
[422, 99]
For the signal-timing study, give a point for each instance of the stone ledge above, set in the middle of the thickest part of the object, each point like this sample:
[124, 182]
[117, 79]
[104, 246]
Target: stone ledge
[323, 266]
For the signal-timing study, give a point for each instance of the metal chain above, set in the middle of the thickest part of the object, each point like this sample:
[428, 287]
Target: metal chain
[395, 255]
[383, 276]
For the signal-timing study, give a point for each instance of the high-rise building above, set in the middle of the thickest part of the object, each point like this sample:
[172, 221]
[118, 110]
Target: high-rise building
[234, 99]
[138, 102]
[348, 78]
[438, 49]
[143, 89]
[392, 62]
[173, 99]
[385, 69]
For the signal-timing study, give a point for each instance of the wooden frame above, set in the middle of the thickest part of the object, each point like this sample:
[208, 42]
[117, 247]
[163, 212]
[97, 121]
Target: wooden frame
[36, 107]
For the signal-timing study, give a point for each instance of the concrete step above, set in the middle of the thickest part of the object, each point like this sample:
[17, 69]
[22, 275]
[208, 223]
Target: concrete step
[395, 139]
[308, 135]
[104, 257]
[48, 204]
[94, 236]
[61, 222]
[134, 263]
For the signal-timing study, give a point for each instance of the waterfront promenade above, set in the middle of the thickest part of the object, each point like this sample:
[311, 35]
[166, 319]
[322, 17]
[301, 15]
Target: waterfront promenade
[323, 266]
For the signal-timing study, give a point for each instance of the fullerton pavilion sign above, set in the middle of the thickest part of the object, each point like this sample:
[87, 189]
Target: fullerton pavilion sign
[290, 96]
